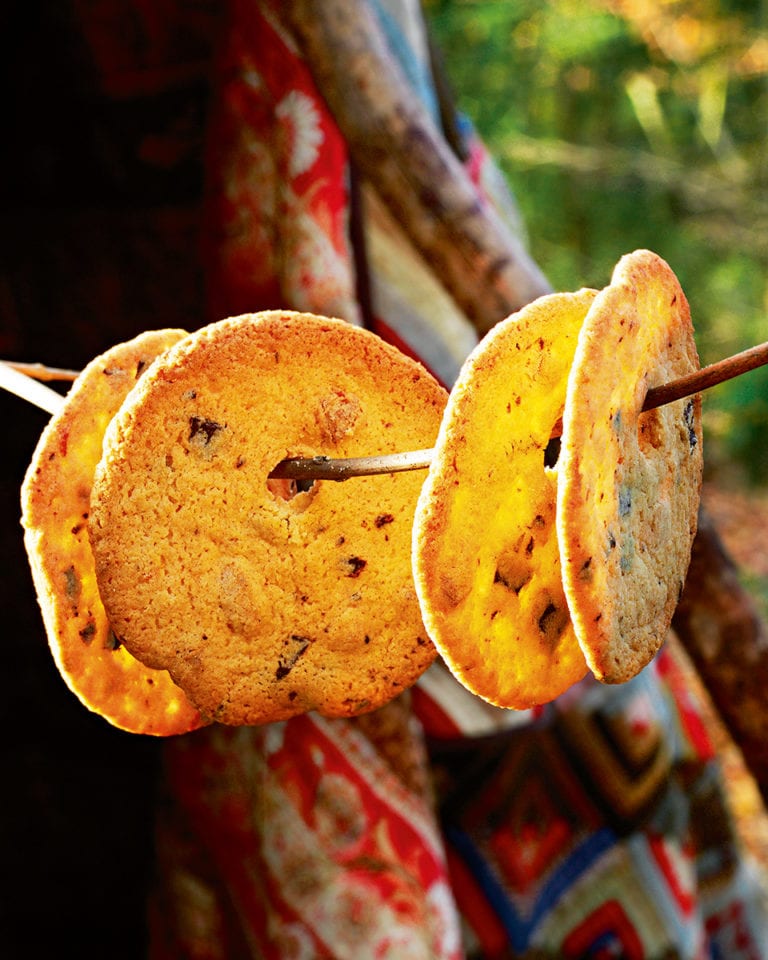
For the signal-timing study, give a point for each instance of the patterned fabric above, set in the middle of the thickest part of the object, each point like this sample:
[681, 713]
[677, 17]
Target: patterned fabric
[277, 172]
[599, 831]
[318, 843]
[439, 827]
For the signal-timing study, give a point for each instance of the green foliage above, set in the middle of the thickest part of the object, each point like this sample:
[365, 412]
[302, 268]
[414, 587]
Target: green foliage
[623, 124]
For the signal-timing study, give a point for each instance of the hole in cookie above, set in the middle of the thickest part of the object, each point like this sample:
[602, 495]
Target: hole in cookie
[552, 452]
[288, 489]
[298, 493]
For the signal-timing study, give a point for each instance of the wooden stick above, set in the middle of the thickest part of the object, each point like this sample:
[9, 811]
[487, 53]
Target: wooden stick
[325, 468]
[29, 389]
[727, 369]
[25, 385]
[40, 372]
[399, 149]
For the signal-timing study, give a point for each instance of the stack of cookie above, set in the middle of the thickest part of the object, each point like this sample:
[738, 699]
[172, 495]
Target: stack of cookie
[256, 599]
[181, 584]
[531, 570]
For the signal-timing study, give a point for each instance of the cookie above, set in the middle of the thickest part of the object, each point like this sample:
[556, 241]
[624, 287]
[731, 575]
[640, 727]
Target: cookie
[55, 516]
[629, 481]
[261, 600]
[485, 553]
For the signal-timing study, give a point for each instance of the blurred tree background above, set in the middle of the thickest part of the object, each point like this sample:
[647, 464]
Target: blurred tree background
[630, 123]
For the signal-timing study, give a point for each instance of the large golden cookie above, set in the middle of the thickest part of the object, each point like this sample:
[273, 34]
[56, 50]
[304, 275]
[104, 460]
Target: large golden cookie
[485, 553]
[261, 601]
[629, 481]
[55, 515]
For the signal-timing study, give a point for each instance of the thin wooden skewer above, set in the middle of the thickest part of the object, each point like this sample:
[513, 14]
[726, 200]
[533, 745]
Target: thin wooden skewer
[308, 469]
[39, 371]
[28, 388]
[325, 468]
[727, 369]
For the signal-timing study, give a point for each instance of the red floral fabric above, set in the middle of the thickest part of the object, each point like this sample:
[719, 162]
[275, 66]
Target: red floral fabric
[276, 169]
[316, 844]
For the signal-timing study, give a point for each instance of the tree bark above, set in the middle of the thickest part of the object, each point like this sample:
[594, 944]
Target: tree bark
[719, 626]
[397, 146]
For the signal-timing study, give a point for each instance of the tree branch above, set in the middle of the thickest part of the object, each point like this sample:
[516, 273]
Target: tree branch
[397, 147]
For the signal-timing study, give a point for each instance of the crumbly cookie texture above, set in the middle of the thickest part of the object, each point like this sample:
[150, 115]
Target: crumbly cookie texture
[261, 600]
[630, 482]
[485, 553]
[55, 502]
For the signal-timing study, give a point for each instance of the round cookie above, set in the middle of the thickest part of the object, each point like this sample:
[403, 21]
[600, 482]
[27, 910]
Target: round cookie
[485, 553]
[629, 481]
[55, 516]
[264, 602]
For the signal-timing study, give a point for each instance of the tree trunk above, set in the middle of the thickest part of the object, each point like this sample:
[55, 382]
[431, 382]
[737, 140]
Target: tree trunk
[720, 628]
[397, 146]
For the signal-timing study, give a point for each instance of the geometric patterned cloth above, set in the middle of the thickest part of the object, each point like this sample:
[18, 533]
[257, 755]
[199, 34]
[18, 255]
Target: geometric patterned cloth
[438, 827]
[599, 831]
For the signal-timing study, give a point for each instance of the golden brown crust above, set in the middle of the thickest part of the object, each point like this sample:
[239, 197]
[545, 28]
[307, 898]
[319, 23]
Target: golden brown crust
[630, 481]
[485, 554]
[263, 605]
[55, 515]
